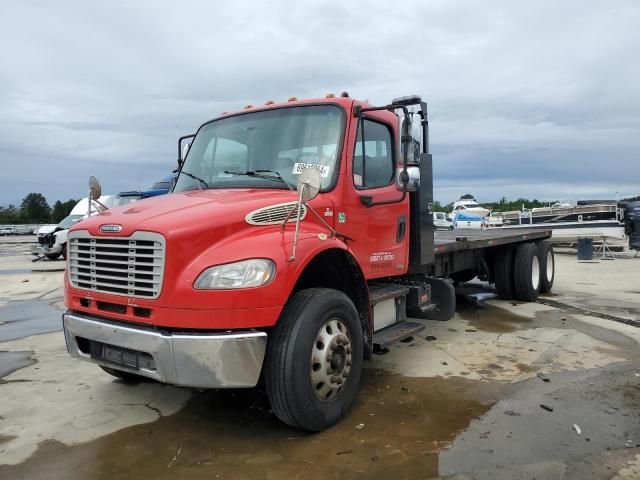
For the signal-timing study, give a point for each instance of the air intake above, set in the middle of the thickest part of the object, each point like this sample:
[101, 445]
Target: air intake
[275, 214]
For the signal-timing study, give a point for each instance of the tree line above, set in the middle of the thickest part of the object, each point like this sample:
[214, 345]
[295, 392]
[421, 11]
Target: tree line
[35, 209]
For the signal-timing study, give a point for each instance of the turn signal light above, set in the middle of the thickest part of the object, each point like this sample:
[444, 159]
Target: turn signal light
[248, 106]
[269, 102]
[293, 99]
[330, 95]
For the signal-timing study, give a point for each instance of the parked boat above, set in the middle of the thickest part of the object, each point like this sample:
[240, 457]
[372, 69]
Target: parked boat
[569, 220]
[469, 205]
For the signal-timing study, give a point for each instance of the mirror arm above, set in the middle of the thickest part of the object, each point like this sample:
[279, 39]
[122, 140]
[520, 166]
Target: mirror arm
[297, 231]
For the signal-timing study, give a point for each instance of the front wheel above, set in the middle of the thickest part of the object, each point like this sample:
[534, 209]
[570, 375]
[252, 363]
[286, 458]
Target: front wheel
[314, 359]
[52, 256]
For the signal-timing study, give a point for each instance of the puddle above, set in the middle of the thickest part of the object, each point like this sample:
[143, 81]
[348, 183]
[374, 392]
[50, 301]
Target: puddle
[226, 434]
[23, 318]
[12, 361]
[492, 319]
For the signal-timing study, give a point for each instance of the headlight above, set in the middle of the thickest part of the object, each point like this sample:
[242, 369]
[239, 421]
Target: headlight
[244, 274]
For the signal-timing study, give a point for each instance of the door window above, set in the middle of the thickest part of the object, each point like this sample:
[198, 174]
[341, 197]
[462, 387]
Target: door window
[373, 167]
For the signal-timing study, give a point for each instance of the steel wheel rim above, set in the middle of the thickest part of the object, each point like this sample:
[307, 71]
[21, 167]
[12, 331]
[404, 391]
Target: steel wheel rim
[535, 273]
[549, 267]
[331, 360]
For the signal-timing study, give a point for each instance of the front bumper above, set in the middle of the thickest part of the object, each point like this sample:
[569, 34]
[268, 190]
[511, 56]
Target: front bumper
[201, 360]
[46, 250]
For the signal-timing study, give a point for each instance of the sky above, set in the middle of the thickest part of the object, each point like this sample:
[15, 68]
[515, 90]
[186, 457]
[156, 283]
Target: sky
[535, 99]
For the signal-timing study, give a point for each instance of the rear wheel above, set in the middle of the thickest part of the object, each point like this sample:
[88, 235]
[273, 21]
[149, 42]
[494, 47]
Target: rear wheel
[527, 272]
[503, 274]
[547, 266]
[314, 359]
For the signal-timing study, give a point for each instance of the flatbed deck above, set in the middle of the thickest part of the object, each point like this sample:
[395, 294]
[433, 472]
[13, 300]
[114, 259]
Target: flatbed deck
[457, 240]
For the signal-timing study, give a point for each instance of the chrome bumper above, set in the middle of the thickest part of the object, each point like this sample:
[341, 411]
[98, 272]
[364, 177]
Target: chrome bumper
[221, 360]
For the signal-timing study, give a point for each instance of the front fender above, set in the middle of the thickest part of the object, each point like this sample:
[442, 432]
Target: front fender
[265, 242]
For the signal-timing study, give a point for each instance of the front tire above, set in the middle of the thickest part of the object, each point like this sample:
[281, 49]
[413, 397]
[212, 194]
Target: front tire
[314, 359]
[52, 256]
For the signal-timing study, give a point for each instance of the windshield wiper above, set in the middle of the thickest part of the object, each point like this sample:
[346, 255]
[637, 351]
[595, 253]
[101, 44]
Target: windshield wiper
[261, 174]
[195, 178]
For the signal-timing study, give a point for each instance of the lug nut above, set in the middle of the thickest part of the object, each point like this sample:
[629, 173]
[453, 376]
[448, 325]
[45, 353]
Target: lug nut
[340, 381]
[332, 347]
[348, 363]
[348, 350]
[329, 371]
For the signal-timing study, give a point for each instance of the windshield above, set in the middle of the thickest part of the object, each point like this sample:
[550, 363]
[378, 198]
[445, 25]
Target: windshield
[70, 220]
[275, 146]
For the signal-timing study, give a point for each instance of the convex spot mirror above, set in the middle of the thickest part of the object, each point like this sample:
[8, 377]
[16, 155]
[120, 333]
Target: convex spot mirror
[409, 181]
[412, 150]
[95, 191]
[308, 184]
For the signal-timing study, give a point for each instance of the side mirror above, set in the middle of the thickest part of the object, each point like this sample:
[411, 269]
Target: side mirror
[308, 184]
[409, 180]
[413, 155]
[95, 191]
[183, 149]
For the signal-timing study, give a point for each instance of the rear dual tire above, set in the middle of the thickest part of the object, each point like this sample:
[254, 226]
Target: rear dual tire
[524, 271]
[547, 266]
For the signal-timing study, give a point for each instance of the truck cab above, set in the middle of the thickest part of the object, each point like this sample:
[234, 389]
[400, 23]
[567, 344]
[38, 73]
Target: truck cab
[296, 238]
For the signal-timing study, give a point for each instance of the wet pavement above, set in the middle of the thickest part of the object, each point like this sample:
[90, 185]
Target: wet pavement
[460, 401]
[24, 318]
[391, 431]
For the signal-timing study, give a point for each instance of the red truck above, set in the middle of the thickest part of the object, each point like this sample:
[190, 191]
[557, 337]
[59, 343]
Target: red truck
[297, 241]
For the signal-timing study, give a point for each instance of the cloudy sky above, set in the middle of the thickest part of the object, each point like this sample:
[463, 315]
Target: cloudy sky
[537, 99]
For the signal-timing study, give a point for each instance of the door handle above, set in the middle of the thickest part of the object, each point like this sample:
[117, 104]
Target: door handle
[402, 228]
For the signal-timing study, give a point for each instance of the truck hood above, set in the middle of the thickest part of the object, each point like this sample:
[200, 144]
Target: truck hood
[186, 213]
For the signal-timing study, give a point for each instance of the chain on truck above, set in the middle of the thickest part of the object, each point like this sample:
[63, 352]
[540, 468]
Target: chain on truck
[297, 241]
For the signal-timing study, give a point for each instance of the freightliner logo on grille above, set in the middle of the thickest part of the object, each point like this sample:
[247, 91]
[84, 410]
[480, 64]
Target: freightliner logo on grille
[110, 228]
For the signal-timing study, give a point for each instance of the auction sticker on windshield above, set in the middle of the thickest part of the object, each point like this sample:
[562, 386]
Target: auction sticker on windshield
[299, 167]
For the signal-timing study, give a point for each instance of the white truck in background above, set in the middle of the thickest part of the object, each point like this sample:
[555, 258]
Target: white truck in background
[52, 239]
[442, 221]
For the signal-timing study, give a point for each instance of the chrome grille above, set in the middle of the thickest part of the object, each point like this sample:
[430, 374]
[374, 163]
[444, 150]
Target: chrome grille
[131, 266]
[275, 214]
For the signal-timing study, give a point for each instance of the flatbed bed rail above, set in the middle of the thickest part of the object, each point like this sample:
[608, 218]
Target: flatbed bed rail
[459, 240]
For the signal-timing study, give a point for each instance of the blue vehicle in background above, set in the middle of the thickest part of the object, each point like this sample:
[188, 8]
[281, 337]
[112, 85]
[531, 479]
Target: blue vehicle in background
[159, 188]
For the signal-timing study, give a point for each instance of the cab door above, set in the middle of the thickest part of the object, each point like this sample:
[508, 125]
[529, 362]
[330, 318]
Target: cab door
[380, 233]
